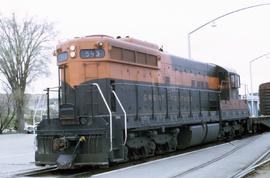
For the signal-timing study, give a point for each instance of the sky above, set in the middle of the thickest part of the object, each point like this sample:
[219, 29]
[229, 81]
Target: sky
[232, 41]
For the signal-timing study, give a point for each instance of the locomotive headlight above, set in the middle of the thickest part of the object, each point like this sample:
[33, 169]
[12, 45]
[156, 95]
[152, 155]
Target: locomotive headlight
[100, 44]
[72, 48]
[72, 54]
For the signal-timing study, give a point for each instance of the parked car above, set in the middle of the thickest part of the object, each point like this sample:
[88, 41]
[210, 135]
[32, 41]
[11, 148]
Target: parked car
[29, 128]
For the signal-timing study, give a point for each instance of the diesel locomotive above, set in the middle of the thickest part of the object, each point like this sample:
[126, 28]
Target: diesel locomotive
[122, 99]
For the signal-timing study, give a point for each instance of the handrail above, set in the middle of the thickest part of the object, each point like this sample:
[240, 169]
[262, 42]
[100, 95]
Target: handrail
[109, 110]
[125, 115]
[48, 99]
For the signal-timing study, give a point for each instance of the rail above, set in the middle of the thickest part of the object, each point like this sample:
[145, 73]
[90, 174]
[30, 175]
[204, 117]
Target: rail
[263, 159]
[37, 172]
[211, 162]
[125, 115]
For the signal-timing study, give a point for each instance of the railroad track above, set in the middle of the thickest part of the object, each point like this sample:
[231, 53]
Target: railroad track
[89, 171]
[185, 172]
[37, 171]
[55, 172]
[205, 164]
[262, 160]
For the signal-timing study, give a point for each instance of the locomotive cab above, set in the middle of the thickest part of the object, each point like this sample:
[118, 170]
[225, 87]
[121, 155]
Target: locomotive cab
[231, 106]
[229, 82]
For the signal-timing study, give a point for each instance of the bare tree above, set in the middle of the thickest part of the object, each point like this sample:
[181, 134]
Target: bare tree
[24, 54]
[7, 111]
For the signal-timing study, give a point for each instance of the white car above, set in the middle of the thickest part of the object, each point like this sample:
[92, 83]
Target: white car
[29, 129]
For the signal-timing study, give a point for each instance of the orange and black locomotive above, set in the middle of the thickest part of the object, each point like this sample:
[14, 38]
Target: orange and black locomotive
[122, 99]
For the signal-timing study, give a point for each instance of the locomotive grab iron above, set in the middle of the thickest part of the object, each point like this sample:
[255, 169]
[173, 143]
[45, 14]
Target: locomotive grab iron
[124, 99]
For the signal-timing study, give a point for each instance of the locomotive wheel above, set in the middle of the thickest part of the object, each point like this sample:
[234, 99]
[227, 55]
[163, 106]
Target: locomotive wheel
[132, 154]
[162, 148]
[172, 145]
[151, 148]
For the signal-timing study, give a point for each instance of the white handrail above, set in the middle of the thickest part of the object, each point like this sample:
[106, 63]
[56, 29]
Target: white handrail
[125, 115]
[110, 112]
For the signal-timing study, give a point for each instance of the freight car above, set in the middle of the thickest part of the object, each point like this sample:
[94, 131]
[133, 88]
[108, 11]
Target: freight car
[122, 99]
[264, 94]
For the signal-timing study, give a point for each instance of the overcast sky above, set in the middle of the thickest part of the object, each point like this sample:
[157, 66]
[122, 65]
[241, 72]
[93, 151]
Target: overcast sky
[232, 41]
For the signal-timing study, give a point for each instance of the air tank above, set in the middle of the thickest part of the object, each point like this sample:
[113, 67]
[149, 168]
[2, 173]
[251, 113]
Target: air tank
[264, 91]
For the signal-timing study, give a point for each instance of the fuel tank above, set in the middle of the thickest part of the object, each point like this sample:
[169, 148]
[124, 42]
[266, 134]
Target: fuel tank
[198, 134]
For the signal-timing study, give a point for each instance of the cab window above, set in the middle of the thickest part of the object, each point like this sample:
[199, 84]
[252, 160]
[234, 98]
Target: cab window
[235, 81]
[62, 56]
